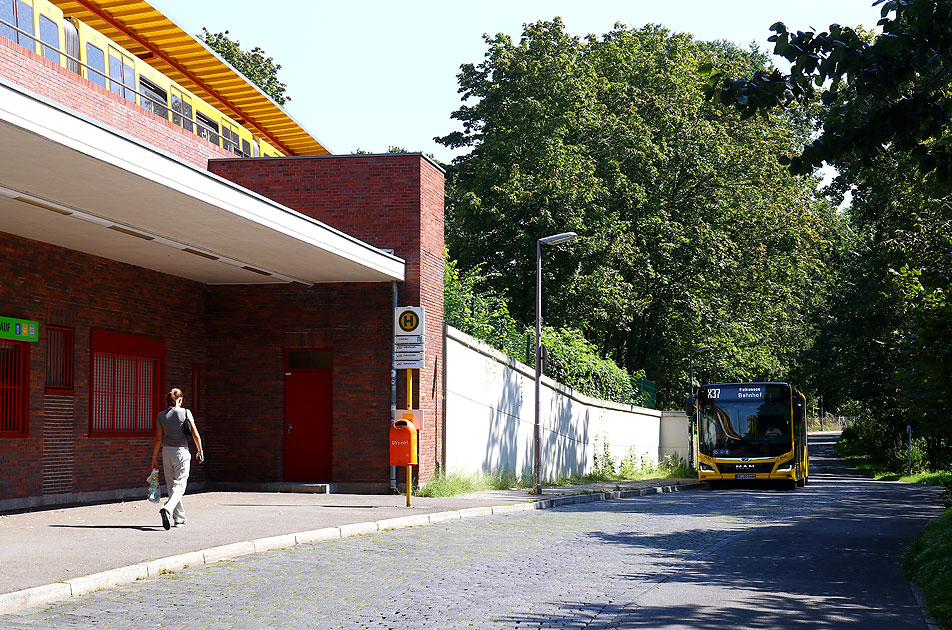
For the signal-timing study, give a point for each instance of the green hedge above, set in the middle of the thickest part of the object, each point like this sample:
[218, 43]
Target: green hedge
[928, 563]
[572, 359]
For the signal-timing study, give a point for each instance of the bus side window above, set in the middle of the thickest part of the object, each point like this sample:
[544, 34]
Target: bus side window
[206, 128]
[182, 109]
[96, 62]
[154, 98]
[49, 35]
[25, 23]
[71, 45]
[123, 75]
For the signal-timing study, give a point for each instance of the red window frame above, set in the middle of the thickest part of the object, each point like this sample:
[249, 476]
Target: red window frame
[59, 359]
[123, 401]
[14, 388]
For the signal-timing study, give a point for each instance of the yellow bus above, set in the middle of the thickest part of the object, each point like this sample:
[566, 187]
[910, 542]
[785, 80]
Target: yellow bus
[750, 432]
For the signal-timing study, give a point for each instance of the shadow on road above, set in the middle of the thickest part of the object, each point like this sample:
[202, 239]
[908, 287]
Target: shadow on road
[828, 555]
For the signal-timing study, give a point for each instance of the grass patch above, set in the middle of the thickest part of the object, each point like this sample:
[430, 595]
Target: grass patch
[453, 484]
[441, 485]
[880, 470]
[927, 564]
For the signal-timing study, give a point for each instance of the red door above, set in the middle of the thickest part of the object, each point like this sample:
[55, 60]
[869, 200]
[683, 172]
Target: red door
[308, 397]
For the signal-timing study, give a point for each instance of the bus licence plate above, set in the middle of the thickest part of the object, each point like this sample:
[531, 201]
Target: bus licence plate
[745, 476]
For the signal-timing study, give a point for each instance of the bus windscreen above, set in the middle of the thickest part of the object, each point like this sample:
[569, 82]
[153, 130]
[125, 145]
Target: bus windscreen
[747, 420]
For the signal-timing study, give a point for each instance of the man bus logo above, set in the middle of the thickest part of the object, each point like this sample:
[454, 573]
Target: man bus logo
[409, 321]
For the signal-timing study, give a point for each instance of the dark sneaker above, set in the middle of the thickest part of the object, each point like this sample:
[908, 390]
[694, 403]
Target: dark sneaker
[166, 523]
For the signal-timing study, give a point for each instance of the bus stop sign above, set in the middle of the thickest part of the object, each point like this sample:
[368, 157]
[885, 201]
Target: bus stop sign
[408, 320]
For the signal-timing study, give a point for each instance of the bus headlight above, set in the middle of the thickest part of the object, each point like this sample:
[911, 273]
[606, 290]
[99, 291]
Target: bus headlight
[705, 467]
[786, 466]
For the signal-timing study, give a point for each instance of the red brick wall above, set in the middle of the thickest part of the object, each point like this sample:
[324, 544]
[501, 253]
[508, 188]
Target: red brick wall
[42, 77]
[249, 329]
[57, 286]
[389, 201]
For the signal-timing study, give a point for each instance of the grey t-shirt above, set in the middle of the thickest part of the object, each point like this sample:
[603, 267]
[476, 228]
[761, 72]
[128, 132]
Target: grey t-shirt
[171, 422]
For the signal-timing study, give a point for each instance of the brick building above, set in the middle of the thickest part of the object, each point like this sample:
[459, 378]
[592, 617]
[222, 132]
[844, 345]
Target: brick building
[137, 254]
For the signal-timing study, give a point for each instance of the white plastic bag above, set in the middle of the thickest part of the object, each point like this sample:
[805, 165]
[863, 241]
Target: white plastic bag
[154, 494]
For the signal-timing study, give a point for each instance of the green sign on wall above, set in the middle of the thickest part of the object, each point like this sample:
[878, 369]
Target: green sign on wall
[19, 329]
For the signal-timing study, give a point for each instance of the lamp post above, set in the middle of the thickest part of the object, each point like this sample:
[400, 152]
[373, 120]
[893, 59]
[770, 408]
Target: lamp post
[555, 239]
[693, 350]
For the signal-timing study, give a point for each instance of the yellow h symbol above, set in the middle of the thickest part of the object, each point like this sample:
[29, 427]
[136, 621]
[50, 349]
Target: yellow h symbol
[408, 320]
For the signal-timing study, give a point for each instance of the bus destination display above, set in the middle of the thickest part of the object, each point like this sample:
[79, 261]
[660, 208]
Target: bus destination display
[737, 392]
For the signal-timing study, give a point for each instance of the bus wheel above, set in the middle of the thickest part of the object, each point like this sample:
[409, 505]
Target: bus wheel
[802, 481]
[792, 484]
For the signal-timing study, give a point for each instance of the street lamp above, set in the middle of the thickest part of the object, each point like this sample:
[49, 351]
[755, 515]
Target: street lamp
[555, 239]
[693, 350]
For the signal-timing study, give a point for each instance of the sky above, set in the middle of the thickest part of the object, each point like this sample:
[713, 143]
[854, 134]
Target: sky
[370, 74]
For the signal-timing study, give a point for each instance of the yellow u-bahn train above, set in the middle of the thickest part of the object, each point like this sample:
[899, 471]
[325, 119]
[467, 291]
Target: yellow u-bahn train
[43, 28]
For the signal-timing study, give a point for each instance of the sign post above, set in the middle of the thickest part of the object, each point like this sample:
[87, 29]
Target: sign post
[408, 354]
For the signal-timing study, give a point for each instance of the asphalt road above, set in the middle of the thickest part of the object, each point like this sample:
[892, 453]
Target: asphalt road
[825, 556]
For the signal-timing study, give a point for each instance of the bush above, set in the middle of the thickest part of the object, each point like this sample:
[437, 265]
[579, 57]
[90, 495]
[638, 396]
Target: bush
[928, 562]
[447, 485]
[572, 360]
[604, 465]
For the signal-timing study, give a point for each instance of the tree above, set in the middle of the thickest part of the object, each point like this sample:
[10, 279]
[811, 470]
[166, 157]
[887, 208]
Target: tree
[690, 230]
[254, 65]
[881, 93]
[884, 123]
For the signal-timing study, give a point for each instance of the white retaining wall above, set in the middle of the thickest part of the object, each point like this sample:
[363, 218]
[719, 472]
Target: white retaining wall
[490, 415]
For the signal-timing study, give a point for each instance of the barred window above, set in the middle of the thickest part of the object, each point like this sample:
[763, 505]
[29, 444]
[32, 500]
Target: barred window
[14, 358]
[59, 357]
[126, 383]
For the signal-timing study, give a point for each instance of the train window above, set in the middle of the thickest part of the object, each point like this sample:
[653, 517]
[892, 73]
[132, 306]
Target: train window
[71, 38]
[245, 148]
[206, 128]
[8, 18]
[182, 109]
[154, 98]
[96, 62]
[25, 23]
[123, 75]
[49, 35]
[230, 134]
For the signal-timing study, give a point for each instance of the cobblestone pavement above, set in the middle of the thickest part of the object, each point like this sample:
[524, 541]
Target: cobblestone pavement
[478, 573]
[583, 566]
